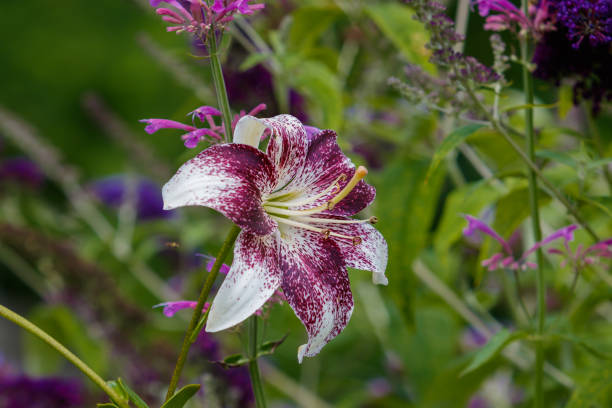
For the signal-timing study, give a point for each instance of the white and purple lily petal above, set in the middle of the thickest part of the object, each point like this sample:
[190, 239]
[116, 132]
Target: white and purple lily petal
[293, 204]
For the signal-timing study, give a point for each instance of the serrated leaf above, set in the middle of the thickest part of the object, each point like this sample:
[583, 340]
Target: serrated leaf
[269, 347]
[454, 139]
[135, 398]
[408, 35]
[493, 347]
[181, 397]
[594, 392]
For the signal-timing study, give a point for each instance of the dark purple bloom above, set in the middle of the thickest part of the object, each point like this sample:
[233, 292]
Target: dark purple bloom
[586, 19]
[21, 171]
[112, 191]
[22, 391]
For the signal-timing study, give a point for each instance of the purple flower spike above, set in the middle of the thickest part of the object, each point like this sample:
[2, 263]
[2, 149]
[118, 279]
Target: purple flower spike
[153, 125]
[474, 224]
[203, 111]
[567, 233]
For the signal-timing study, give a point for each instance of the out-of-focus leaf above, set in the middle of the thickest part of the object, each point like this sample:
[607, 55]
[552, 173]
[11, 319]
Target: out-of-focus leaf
[493, 347]
[566, 100]
[598, 163]
[582, 342]
[408, 35]
[604, 203]
[454, 139]
[496, 151]
[559, 157]
[308, 24]
[252, 60]
[529, 105]
[469, 199]
[322, 87]
[135, 398]
[595, 391]
[106, 405]
[181, 397]
[60, 323]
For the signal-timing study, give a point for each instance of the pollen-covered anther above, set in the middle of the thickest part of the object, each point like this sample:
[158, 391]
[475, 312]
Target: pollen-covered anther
[326, 233]
[360, 173]
[357, 241]
[373, 220]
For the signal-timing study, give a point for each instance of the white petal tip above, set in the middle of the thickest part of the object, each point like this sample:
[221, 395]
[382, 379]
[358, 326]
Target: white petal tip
[301, 352]
[249, 130]
[380, 279]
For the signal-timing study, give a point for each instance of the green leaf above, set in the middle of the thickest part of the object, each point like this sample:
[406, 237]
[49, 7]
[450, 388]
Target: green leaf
[322, 88]
[181, 397]
[454, 139]
[308, 24]
[566, 100]
[559, 157]
[119, 389]
[579, 341]
[234, 360]
[269, 347]
[594, 392]
[493, 347]
[135, 398]
[604, 203]
[598, 163]
[408, 35]
[252, 60]
[529, 105]
[106, 405]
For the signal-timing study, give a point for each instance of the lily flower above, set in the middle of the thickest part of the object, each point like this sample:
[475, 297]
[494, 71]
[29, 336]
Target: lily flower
[506, 258]
[294, 204]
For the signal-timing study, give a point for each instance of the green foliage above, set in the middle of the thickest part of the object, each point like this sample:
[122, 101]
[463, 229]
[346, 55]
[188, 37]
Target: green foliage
[594, 392]
[182, 396]
[494, 346]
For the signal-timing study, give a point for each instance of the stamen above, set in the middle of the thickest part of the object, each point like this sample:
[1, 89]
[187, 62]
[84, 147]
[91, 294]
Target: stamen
[330, 220]
[373, 220]
[305, 201]
[326, 232]
[357, 241]
[360, 173]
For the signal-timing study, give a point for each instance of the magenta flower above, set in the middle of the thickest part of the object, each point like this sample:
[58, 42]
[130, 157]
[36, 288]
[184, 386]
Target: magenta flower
[506, 258]
[583, 257]
[196, 17]
[509, 17]
[212, 134]
[294, 204]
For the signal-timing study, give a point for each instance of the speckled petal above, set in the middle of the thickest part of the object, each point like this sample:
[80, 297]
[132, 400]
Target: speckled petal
[249, 130]
[287, 148]
[252, 279]
[229, 178]
[325, 162]
[316, 285]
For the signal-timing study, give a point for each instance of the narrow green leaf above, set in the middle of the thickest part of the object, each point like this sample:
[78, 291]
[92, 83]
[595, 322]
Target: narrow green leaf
[562, 158]
[530, 106]
[234, 360]
[598, 163]
[269, 347]
[119, 389]
[454, 139]
[135, 398]
[604, 203]
[594, 392]
[181, 397]
[584, 343]
[106, 405]
[493, 347]
[252, 60]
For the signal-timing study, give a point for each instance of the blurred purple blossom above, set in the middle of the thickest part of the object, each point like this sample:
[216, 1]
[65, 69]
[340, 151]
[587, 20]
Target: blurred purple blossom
[22, 171]
[197, 17]
[586, 19]
[379, 387]
[583, 257]
[113, 190]
[20, 391]
[506, 259]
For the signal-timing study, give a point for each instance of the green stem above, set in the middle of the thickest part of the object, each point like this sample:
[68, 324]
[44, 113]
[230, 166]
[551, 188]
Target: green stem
[535, 219]
[197, 313]
[503, 131]
[260, 400]
[36, 331]
[217, 72]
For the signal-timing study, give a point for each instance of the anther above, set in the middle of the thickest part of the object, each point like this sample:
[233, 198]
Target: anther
[326, 233]
[373, 220]
[357, 241]
[360, 173]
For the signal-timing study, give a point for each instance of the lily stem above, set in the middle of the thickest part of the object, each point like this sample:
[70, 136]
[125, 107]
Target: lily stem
[221, 90]
[535, 215]
[44, 336]
[197, 313]
[260, 400]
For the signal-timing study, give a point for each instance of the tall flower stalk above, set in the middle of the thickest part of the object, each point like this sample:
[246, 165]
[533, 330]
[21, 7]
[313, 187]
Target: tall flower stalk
[535, 213]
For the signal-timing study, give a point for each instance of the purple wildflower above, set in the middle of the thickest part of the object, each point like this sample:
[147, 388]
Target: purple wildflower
[583, 257]
[196, 17]
[113, 190]
[21, 391]
[22, 171]
[586, 19]
[506, 259]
